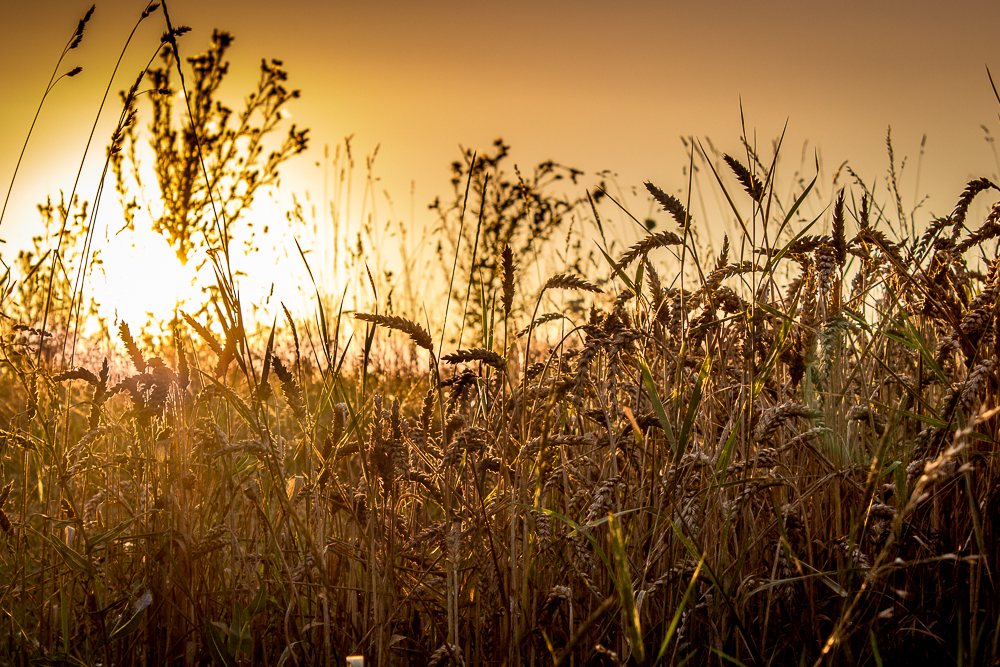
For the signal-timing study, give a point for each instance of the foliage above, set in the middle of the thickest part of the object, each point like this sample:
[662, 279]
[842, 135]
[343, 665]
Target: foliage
[31, 290]
[500, 210]
[209, 163]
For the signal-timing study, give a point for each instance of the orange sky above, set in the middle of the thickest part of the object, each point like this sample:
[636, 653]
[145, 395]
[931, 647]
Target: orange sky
[591, 85]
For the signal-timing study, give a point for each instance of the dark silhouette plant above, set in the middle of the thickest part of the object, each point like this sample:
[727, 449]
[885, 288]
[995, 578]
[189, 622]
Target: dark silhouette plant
[491, 209]
[210, 161]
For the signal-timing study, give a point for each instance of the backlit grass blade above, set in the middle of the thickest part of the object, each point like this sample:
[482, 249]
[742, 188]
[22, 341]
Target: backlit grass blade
[623, 584]
[654, 398]
[676, 619]
[694, 405]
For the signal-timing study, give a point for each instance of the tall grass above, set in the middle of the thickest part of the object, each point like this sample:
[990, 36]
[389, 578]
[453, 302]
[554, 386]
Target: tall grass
[778, 453]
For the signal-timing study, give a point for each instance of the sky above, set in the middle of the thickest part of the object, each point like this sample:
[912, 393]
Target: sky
[593, 85]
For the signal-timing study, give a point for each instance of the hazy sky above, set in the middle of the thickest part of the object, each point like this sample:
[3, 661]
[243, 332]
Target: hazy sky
[595, 85]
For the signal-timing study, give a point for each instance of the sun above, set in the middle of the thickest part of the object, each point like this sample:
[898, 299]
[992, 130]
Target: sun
[141, 280]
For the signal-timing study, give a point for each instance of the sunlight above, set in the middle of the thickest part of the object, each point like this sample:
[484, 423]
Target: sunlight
[139, 279]
[142, 278]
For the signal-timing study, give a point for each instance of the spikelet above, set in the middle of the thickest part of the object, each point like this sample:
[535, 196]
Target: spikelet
[455, 423]
[553, 600]
[721, 272]
[826, 265]
[888, 248]
[801, 246]
[655, 287]
[729, 301]
[304, 569]
[339, 426]
[263, 388]
[975, 322]
[227, 354]
[972, 189]
[89, 437]
[183, 370]
[723, 259]
[540, 320]
[426, 412]
[794, 528]
[5, 524]
[570, 281]
[204, 333]
[734, 269]
[31, 330]
[210, 541]
[78, 373]
[806, 436]
[295, 332]
[453, 543]
[990, 229]
[90, 518]
[603, 499]
[78, 35]
[488, 357]
[657, 240]
[289, 388]
[461, 385]
[170, 36]
[839, 240]
[776, 416]
[416, 333]
[445, 654]
[133, 349]
[975, 383]
[669, 203]
[583, 559]
[932, 232]
[863, 413]
[750, 183]
[361, 501]
[543, 526]
[340, 421]
[619, 303]
[508, 280]
[427, 539]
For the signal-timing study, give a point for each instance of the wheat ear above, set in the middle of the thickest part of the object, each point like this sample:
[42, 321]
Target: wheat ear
[570, 281]
[416, 332]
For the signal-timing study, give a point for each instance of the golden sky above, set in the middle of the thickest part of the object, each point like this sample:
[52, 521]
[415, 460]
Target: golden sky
[594, 85]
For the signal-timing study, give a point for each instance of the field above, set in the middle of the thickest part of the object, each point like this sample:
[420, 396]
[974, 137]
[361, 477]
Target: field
[779, 452]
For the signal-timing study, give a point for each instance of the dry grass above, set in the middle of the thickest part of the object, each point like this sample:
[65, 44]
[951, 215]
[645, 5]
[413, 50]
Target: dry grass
[783, 459]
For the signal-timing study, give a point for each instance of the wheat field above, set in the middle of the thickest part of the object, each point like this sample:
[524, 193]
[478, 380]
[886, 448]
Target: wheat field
[779, 452]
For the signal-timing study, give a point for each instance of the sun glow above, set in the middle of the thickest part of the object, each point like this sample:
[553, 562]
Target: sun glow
[140, 278]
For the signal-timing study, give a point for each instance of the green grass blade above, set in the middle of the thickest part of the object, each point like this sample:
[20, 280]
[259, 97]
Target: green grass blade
[654, 398]
[694, 403]
[623, 584]
[676, 619]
